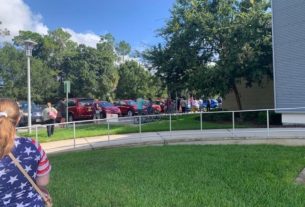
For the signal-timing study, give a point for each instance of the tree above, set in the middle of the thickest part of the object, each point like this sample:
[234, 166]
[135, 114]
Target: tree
[123, 48]
[91, 71]
[11, 64]
[14, 74]
[211, 45]
[135, 82]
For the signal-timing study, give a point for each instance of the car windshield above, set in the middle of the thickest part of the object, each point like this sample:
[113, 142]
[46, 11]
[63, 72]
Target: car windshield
[106, 104]
[86, 102]
[130, 102]
[24, 107]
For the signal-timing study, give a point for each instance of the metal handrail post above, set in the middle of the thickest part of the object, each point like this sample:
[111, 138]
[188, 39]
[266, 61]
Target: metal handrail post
[74, 134]
[36, 134]
[140, 127]
[268, 125]
[170, 124]
[108, 129]
[201, 121]
[233, 123]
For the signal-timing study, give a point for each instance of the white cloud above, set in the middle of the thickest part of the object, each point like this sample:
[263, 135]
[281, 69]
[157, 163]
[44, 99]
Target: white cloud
[15, 15]
[89, 39]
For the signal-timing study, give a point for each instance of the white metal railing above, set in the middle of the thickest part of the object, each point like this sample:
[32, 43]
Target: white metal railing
[140, 121]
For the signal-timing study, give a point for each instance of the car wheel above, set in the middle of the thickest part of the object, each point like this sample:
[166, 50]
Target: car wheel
[129, 113]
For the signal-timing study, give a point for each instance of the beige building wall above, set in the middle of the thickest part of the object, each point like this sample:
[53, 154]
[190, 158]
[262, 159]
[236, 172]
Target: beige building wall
[256, 97]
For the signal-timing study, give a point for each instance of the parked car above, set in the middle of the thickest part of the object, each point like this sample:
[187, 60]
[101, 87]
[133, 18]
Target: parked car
[214, 105]
[128, 107]
[156, 108]
[79, 108]
[160, 103]
[109, 108]
[36, 112]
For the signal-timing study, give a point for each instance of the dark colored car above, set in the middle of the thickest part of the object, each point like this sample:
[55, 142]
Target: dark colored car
[127, 107]
[79, 108]
[36, 112]
[109, 108]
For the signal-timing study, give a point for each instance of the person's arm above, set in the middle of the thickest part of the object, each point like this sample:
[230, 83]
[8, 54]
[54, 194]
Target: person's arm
[44, 167]
[43, 180]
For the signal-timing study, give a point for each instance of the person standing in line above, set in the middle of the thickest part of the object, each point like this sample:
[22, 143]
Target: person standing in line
[183, 104]
[16, 190]
[97, 110]
[62, 110]
[140, 103]
[191, 102]
[219, 99]
[200, 102]
[169, 105]
[150, 109]
[208, 104]
[49, 115]
[195, 105]
[178, 104]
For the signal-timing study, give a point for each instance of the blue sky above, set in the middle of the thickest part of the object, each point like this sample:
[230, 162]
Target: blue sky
[134, 21]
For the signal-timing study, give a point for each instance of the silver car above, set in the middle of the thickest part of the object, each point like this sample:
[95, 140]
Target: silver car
[36, 113]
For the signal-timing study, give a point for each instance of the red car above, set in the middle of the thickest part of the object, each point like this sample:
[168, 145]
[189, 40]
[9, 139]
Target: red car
[156, 108]
[108, 108]
[79, 108]
[129, 107]
[160, 103]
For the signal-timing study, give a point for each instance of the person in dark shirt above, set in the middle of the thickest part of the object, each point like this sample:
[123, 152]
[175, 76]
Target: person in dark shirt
[208, 104]
[150, 109]
[62, 109]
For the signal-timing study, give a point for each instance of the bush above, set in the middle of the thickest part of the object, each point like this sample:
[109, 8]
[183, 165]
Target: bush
[274, 118]
[262, 117]
[217, 117]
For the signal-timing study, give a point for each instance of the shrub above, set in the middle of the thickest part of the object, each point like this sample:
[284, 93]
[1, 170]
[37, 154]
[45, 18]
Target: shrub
[261, 118]
[217, 117]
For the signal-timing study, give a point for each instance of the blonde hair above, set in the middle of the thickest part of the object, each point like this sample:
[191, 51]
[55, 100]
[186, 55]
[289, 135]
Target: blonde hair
[8, 120]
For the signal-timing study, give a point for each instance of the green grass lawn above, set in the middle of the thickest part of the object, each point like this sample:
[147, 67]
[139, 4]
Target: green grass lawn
[186, 176]
[186, 122]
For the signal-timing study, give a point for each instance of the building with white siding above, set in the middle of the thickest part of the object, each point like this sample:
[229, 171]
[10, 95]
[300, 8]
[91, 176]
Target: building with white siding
[288, 30]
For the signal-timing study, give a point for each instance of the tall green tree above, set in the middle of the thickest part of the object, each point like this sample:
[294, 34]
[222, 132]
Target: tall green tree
[53, 49]
[13, 70]
[92, 71]
[136, 82]
[123, 49]
[213, 45]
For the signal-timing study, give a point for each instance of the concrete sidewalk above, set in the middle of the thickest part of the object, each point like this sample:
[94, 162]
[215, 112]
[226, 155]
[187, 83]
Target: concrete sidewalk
[280, 136]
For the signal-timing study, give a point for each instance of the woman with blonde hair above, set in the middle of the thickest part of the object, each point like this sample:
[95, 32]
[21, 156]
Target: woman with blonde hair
[15, 188]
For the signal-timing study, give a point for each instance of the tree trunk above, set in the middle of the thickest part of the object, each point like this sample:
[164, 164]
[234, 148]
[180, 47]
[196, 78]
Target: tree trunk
[236, 93]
